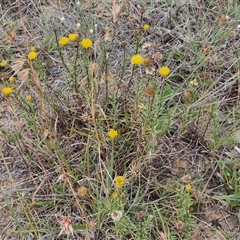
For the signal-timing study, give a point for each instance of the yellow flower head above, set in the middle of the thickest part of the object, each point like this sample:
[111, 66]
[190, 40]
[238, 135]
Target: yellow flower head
[7, 91]
[82, 191]
[164, 71]
[112, 133]
[3, 63]
[146, 27]
[194, 82]
[188, 187]
[73, 37]
[12, 79]
[32, 55]
[29, 98]
[63, 41]
[119, 181]
[114, 195]
[137, 60]
[86, 43]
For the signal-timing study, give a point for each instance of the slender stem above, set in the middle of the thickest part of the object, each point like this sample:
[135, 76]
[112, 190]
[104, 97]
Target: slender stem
[60, 53]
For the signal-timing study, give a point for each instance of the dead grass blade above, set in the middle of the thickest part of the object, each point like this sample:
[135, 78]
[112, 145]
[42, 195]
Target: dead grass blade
[163, 236]
[116, 10]
[17, 65]
[23, 74]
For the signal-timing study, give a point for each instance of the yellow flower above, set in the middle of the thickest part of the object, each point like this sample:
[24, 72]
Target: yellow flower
[188, 187]
[164, 71]
[146, 27]
[12, 79]
[7, 91]
[119, 181]
[29, 98]
[137, 60]
[32, 55]
[114, 195]
[86, 43]
[3, 63]
[82, 191]
[194, 82]
[63, 41]
[112, 133]
[73, 37]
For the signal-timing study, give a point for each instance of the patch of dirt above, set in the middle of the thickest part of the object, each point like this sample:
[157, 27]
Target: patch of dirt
[217, 222]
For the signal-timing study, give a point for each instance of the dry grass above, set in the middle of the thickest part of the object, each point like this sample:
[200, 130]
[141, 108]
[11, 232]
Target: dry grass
[58, 163]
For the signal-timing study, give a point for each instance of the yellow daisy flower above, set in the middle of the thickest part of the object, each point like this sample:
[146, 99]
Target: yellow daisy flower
[29, 98]
[119, 181]
[63, 41]
[3, 63]
[137, 60]
[73, 37]
[86, 43]
[164, 71]
[114, 195]
[146, 27]
[7, 91]
[188, 187]
[32, 55]
[112, 133]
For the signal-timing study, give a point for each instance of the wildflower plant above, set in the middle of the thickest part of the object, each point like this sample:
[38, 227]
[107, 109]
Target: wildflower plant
[94, 104]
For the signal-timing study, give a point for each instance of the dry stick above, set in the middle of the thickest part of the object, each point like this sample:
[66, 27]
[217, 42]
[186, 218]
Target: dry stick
[75, 77]
[35, 192]
[205, 187]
